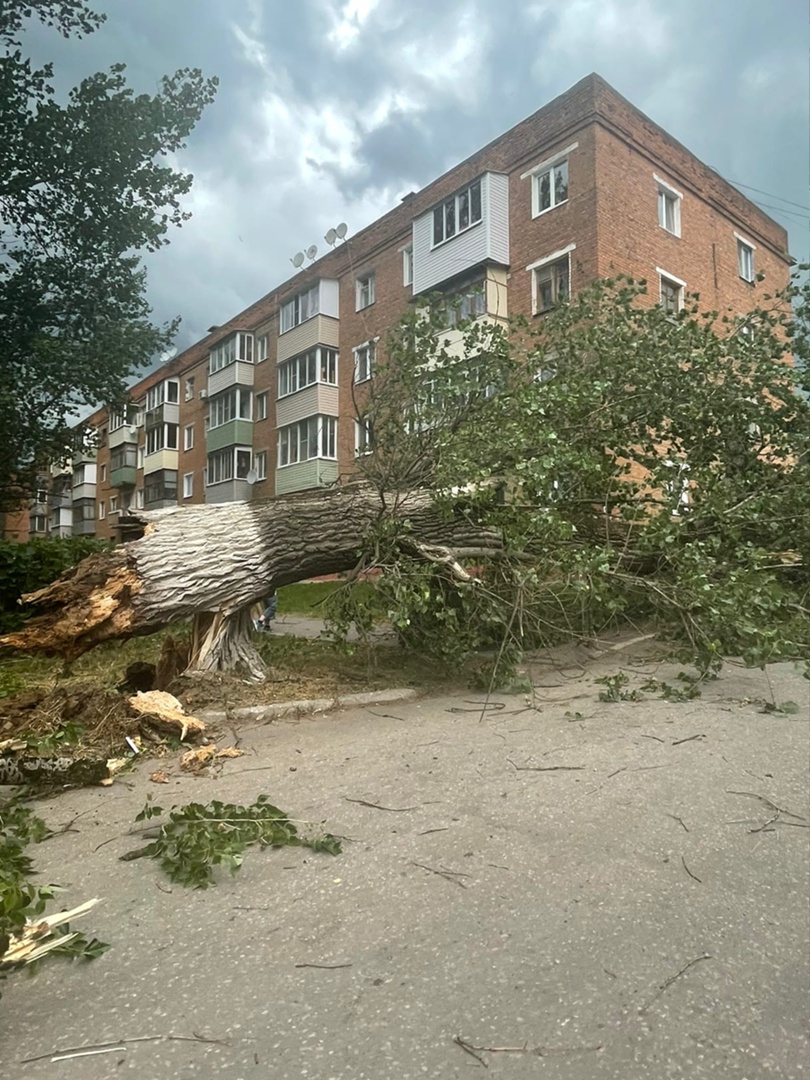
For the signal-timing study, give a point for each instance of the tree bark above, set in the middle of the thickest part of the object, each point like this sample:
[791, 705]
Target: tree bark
[213, 562]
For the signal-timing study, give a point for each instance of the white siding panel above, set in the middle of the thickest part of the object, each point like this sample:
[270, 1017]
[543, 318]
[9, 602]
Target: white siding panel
[319, 330]
[488, 240]
[307, 402]
[236, 374]
[306, 474]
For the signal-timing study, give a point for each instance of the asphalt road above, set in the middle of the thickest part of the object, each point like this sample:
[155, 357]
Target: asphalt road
[592, 890]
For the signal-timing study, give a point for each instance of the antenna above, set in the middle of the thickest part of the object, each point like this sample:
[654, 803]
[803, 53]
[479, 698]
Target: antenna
[312, 251]
[297, 259]
[331, 237]
[341, 230]
[252, 477]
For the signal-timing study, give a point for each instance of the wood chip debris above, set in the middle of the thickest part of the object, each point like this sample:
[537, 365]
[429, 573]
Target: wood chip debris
[163, 711]
[195, 761]
[37, 938]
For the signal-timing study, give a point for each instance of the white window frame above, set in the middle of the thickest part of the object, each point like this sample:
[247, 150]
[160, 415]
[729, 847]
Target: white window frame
[262, 348]
[138, 501]
[364, 290]
[745, 248]
[102, 476]
[320, 430]
[188, 485]
[102, 510]
[235, 403]
[544, 168]
[363, 436]
[163, 393]
[261, 405]
[407, 265]
[299, 308]
[188, 392]
[365, 357]
[670, 279]
[188, 437]
[457, 201]
[668, 195]
[161, 437]
[237, 346]
[542, 264]
[114, 504]
[230, 463]
[260, 465]
[297, 372]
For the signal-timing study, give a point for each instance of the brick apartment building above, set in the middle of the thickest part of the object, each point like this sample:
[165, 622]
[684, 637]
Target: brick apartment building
[585, 188]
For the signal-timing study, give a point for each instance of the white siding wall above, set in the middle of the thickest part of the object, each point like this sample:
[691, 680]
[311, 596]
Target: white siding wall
[319, 330]
[236, 374]
[314, 399]
[487, 240]
[163, 459]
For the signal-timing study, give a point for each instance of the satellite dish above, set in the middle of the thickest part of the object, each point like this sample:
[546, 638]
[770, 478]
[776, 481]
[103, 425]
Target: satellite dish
[331, 237]
[297, 259]
[341, 230]
[312, 252]
[133, 429]
[166, 356]
[252, 476]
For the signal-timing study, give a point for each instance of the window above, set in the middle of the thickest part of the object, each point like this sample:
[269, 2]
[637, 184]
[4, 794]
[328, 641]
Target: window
[236, 347]
[119, 417]
[551, 284]
[102, 511]
[123, 457]
[113, 504]
[83, 510]
[161, 437]
[167, 391]
[669, 207]
[260, 465]
[262, 347]
[261, 406]
[458, 213]
[300, 308]
[234, 404]
[364, 361]
[228, 464]
[407, 266]
[141, 455]
[467, 302]
[315, 437]
[318, 365]
[188, 485]
[188, 437]
[138, 498]
[671, 294]
[364, 287]
[160, 486]
[550, 187]
[103, 474]
[189, 390]
[363, 435]
[745, 259]
[38, 523]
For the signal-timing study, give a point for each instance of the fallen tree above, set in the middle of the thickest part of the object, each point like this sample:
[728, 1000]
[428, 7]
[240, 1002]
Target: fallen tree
[212, 563]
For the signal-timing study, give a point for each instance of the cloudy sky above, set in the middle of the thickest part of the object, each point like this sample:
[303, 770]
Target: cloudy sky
[331, 110]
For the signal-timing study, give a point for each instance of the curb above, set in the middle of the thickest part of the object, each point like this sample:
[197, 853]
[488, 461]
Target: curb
[277, 710]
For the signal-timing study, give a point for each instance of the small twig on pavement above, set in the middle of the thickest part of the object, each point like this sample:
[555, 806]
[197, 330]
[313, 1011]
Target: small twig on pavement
[679, 820]
[465, 1046]
[388, 716]
[448, 875]
[665, 985]
[377, 806]
[121, 1044]
[427, 832]
[545, 768]
[653, 737]
[323, 967]
[689, 738]
[768, 803]
[689, 872]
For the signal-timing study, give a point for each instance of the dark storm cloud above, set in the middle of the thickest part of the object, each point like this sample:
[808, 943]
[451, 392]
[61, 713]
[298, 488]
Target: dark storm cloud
[330, 110]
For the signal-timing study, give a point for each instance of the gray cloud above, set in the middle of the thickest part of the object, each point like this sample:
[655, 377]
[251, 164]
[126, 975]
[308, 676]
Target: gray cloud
[323, 116]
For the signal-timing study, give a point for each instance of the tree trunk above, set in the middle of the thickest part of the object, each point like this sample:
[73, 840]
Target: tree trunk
[212, 562]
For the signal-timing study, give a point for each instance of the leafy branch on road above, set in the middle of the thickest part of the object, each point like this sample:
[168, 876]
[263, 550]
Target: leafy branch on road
[197, 837]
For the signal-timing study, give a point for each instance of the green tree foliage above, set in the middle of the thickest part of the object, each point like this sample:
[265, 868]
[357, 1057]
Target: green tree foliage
[84, 186]
[640, 464]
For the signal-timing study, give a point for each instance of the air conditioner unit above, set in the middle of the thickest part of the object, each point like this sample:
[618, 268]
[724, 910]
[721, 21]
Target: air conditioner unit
[203, 394]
